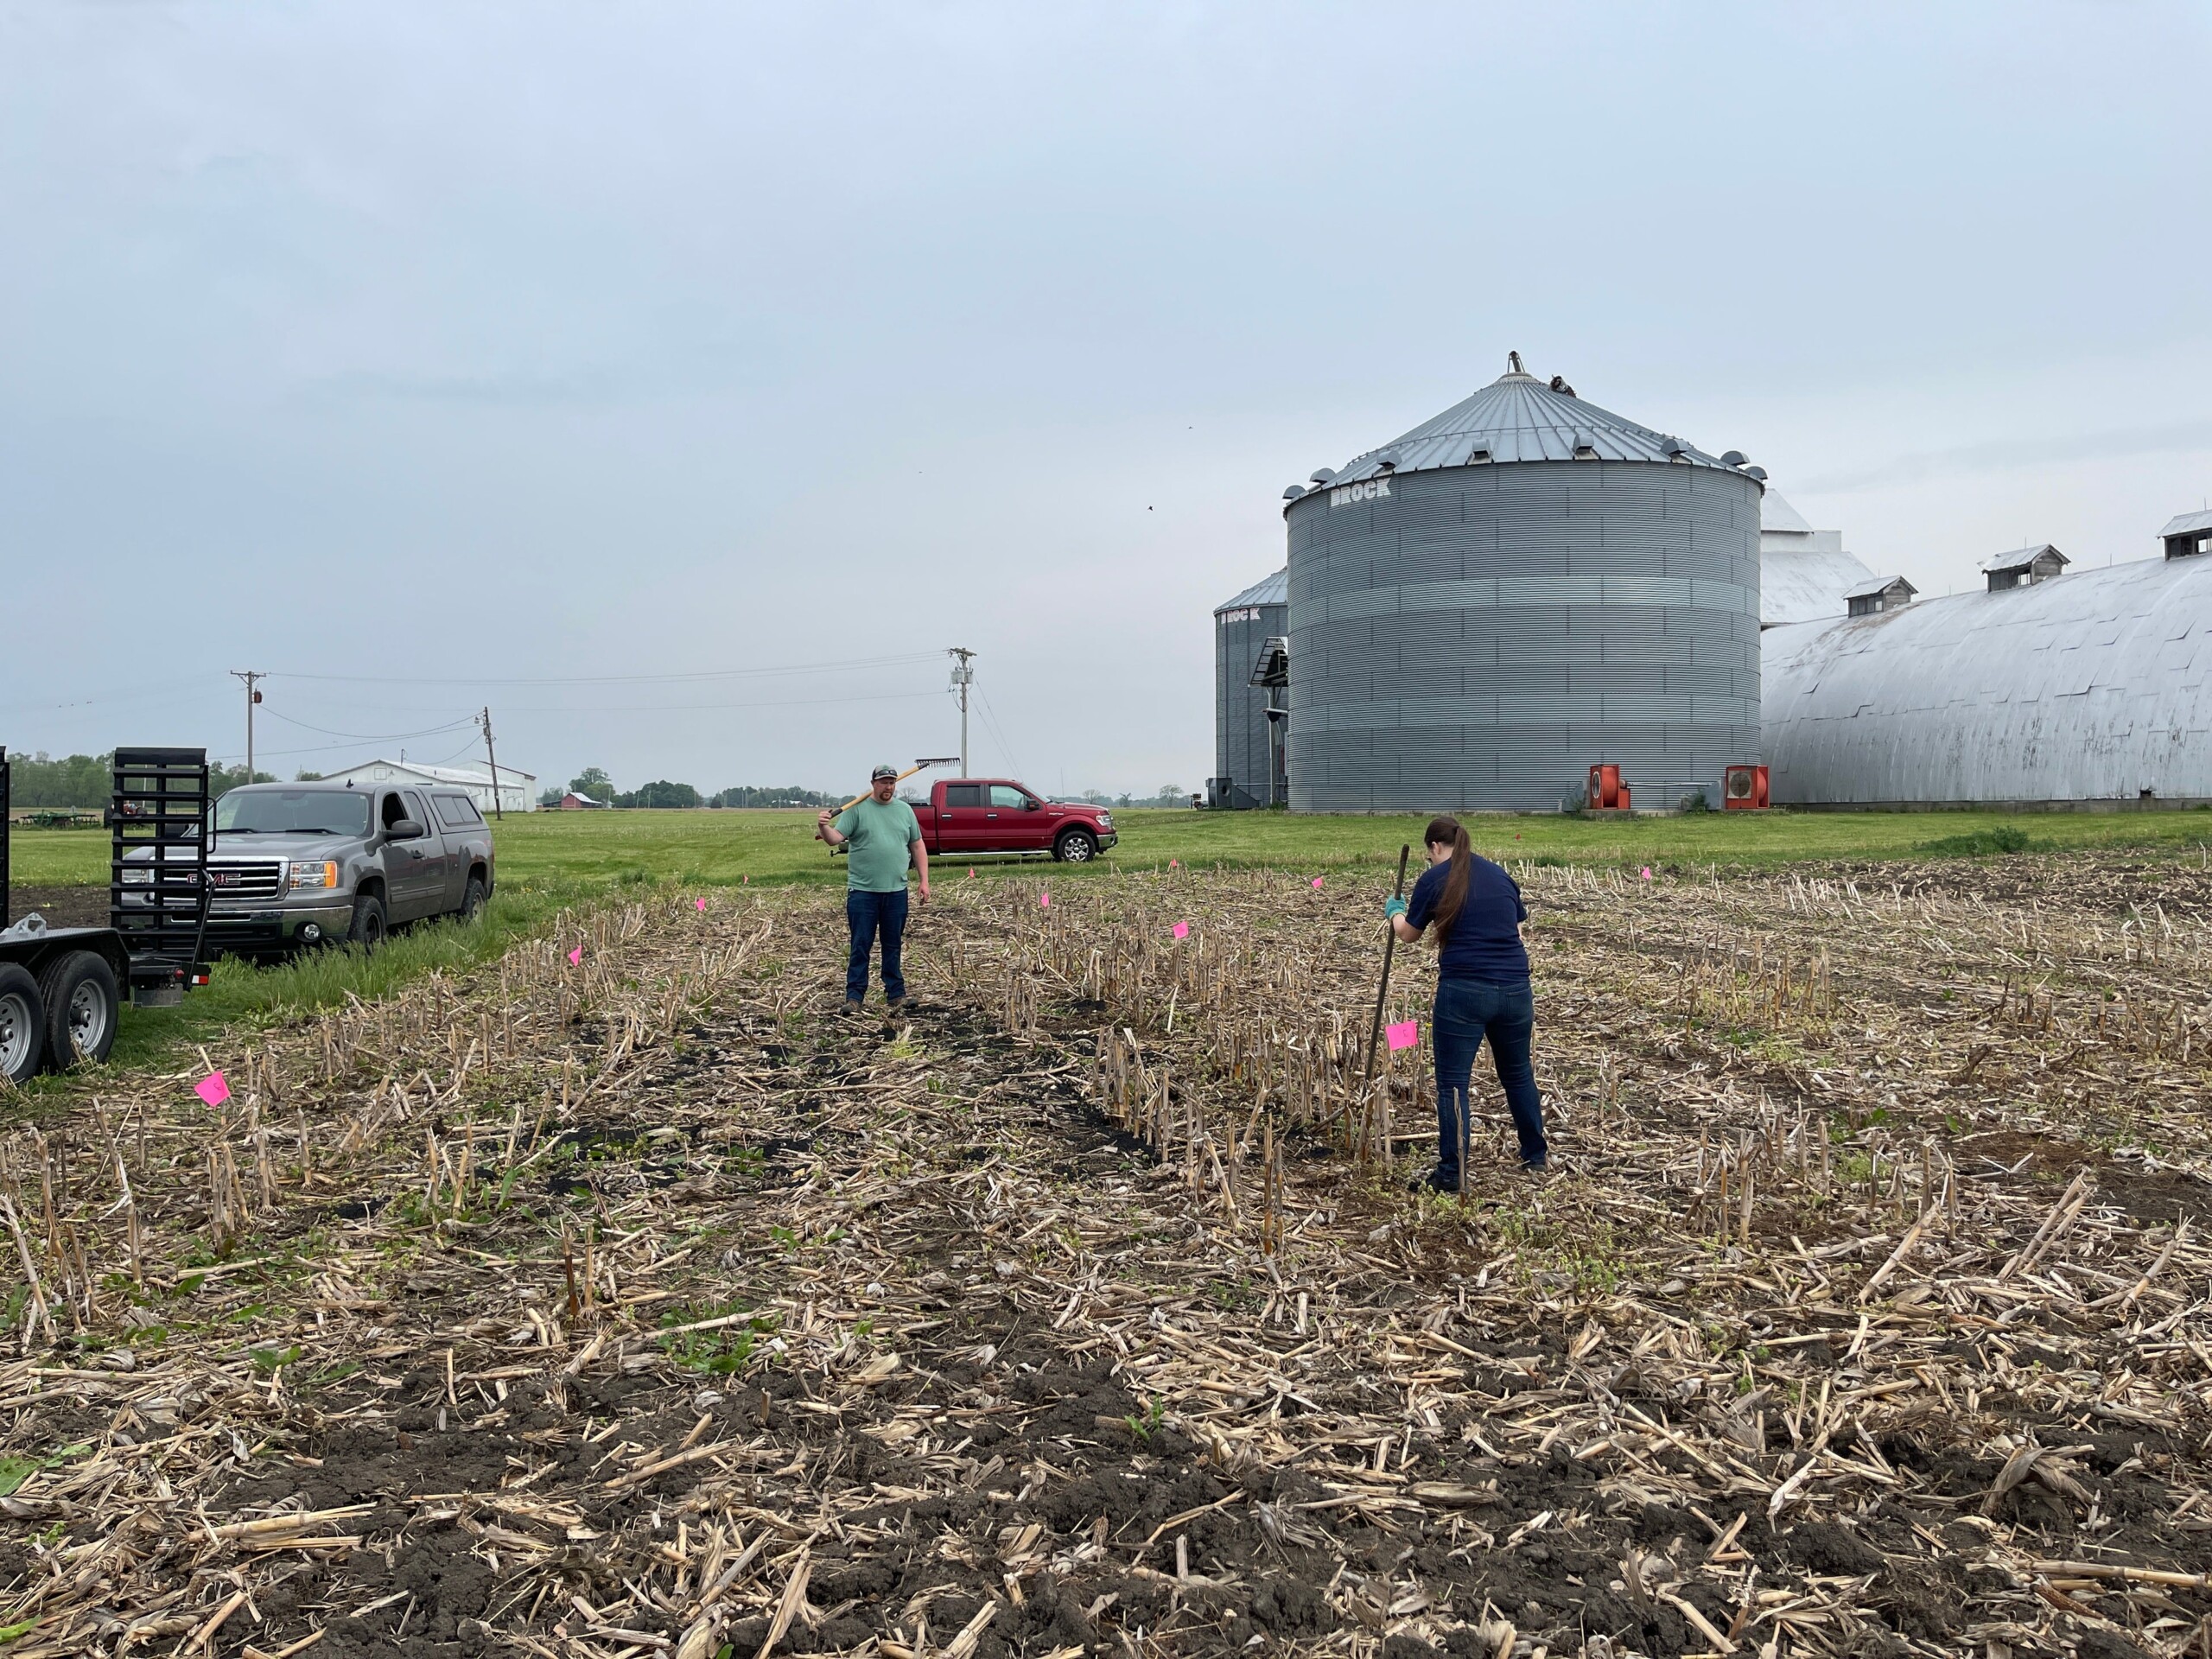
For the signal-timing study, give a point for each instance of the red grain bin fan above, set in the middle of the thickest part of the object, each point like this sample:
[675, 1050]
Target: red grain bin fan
[1607, 792]
[1743, 789]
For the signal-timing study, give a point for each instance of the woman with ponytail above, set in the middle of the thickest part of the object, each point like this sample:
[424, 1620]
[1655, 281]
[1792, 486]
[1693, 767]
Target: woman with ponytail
[1482, 990]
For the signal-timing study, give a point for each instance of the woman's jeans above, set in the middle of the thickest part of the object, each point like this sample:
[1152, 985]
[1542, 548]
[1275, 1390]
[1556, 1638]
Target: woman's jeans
[868, 915]
[1468, 1010]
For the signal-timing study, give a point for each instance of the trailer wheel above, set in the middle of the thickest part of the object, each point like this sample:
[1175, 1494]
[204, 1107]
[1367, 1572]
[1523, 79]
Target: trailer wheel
[23, 1024]
[83, 1006]
[1075, 847]
[368, 930]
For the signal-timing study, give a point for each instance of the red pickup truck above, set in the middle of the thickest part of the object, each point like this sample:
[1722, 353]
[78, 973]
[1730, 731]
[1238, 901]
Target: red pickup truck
[967, 816]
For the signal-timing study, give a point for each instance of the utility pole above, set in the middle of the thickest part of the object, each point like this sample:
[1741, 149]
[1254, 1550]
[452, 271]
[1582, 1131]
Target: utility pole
[490, 754]
[963, 677]
[252, 697]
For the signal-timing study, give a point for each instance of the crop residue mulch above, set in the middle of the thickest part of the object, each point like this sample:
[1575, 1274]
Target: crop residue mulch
[651, 1305]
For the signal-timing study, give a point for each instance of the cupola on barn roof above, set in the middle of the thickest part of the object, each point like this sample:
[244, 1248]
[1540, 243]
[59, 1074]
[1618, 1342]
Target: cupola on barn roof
[1519, 417]
[2021, 558]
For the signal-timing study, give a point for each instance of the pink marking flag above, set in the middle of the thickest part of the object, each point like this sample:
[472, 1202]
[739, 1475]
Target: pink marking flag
[1043, 901]
[577, 957]
[1317, 884]
[213, 1089]
[702, 904]
[1172, 863]
[1403, 1036]
[1182, 930]
[1647, 871]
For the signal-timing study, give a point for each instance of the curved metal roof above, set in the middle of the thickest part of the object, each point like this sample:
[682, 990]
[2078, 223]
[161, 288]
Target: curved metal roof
[1518, 417]
[2090, 686]
[1270, 590]
[1807, 586]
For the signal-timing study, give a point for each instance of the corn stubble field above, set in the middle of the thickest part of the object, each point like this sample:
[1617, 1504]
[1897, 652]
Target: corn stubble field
[651, 1305]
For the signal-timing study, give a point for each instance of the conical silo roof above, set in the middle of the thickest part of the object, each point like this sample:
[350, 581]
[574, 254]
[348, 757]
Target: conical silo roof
[1269, 590]
[1519, 417]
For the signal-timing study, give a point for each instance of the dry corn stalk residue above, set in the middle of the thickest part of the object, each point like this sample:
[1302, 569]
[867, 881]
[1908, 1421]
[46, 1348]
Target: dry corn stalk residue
[652, 1305]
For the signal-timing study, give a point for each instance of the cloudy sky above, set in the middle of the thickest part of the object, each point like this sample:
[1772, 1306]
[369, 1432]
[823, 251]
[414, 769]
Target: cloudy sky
[681, 380]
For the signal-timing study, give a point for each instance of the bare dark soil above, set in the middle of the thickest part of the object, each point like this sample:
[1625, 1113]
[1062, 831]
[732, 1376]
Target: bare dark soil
[1041, 1464]
[62, 907]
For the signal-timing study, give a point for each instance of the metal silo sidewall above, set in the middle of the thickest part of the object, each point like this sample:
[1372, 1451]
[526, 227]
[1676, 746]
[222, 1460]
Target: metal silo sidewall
[1480, 637]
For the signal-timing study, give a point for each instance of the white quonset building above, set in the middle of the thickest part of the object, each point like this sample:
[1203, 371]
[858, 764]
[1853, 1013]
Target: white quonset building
[2049, 687]
[1520, 588]
[518, 790]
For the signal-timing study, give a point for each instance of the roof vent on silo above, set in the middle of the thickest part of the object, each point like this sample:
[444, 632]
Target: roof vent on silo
[1294, 492]
[1733, 458]
[1513, 369]
[1321, 474]
[1479, 456]
[1759, 472]
[1386, 462]
[1584, 449]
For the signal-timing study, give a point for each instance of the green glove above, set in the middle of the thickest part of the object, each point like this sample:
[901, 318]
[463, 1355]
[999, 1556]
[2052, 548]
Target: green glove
[1393, 908]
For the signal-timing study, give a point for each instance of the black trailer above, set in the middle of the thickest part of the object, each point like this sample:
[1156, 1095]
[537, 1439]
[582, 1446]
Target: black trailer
[62, 988]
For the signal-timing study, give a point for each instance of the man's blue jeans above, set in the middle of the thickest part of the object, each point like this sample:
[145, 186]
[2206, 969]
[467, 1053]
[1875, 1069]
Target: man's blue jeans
[869, 914]
[1468, 1010]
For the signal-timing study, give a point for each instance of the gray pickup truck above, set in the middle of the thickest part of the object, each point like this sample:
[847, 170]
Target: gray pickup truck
[305, 864]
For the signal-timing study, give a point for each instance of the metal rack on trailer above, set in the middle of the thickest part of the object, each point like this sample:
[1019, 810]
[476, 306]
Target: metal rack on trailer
[60, 987]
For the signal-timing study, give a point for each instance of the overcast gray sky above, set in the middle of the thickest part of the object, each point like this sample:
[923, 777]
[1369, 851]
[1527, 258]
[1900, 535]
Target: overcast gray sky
[497, 353]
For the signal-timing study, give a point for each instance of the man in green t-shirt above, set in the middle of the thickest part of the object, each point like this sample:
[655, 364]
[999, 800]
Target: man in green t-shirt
[885, 836]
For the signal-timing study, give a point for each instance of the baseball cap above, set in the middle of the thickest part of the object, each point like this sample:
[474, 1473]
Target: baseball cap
[887, 770]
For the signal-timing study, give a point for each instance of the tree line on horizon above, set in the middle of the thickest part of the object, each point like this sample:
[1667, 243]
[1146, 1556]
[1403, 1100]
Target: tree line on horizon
[86, 782]
[594, 783]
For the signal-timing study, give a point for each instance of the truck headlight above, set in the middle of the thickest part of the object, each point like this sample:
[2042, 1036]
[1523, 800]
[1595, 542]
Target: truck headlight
[323, 873]
[137, 877]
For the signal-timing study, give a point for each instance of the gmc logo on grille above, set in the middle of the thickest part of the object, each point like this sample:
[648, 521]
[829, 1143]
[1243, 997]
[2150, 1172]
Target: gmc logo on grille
[223, 878]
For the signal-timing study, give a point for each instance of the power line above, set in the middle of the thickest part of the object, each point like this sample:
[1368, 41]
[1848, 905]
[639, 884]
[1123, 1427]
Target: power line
[374, 737]
[998, 731]
[620, 679]
[677, 707]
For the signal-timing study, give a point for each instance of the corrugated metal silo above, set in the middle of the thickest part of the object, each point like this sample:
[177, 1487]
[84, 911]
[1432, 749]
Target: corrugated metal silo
[1517, 590]
[1241, 627]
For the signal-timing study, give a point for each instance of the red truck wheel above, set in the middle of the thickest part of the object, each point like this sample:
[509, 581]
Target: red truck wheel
[1075, 847]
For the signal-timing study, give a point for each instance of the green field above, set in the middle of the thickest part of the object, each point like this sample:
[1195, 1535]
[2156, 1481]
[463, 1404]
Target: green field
[581, 851]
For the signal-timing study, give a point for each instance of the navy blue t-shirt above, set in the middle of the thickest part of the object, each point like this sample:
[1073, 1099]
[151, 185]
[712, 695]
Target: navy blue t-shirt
[1485, 940]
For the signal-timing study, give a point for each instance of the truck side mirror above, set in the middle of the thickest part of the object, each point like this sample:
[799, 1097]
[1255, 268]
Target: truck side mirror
[404, 830]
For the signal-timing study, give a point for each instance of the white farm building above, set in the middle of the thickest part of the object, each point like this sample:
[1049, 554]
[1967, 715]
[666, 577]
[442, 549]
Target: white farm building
[2047, 687]
[518, 790]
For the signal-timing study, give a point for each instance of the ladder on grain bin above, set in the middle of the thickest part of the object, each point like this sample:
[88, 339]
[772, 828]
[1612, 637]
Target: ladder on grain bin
[158, 902]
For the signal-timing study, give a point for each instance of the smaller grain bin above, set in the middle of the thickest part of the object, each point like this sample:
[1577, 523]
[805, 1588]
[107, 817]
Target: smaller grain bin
[1243, 756]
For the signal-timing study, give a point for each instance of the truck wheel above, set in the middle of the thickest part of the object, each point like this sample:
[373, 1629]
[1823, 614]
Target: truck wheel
[82, 1009]
[22, 1024]
[1075, 847]
[472, 902]
[368, 930]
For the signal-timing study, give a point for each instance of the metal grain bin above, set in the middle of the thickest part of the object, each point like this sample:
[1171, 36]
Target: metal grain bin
[1522, 589]
[1241, 627]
